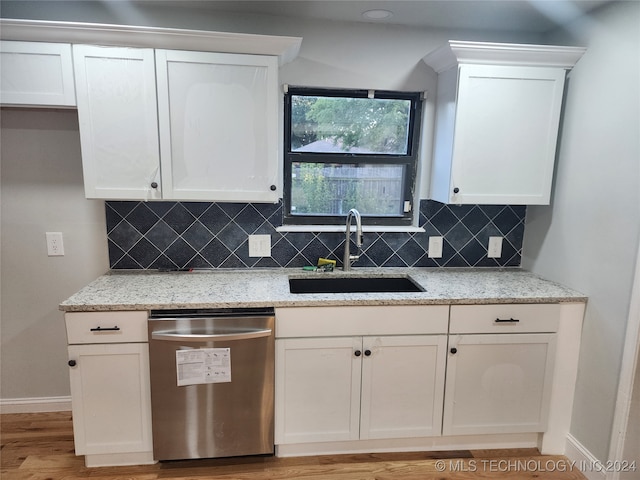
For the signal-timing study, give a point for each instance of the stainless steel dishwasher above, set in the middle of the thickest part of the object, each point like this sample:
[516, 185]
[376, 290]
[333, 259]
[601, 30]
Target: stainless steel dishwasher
[212, 374]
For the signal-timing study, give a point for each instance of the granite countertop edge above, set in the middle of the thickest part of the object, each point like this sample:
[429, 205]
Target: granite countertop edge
[146, 290]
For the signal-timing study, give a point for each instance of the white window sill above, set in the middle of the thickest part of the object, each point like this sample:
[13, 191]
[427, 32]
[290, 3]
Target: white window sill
[340, 228]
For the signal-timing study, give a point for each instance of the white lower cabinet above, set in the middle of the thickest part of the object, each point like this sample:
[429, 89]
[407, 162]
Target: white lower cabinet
[359, 387]
[500, 368]
[402, 386]
[319, 387]
[498, 383]
[351, 388]
[357, 379]
[110, 388]
[367, 378]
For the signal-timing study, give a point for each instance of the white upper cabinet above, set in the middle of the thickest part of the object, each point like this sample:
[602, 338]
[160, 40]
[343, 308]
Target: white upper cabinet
[497, 119]
[218, 122]
[117, 112]
[208, 131]
[164, 124]
[36, 74]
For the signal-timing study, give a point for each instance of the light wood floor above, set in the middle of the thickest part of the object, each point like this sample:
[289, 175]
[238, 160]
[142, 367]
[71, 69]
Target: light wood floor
[39, 446]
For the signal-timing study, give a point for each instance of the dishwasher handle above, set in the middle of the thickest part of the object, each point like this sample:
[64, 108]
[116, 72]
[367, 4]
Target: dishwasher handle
[217, 337]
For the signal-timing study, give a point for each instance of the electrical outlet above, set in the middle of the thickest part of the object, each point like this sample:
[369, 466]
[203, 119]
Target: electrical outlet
[55, 247]
[495, 247]
[259, 245]
[435, 247]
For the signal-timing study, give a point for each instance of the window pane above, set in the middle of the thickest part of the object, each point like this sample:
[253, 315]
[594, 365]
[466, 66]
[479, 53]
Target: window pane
[333, 189]
[349, 125]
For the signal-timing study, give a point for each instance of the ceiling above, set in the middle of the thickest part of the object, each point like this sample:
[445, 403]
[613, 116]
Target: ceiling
[536, 16]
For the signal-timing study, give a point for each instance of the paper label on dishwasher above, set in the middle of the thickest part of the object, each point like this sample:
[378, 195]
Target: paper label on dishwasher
[203, 365]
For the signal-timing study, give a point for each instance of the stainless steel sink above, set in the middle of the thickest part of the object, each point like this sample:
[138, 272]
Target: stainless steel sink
[330, 284]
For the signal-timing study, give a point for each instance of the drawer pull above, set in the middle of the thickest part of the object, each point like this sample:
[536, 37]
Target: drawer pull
[507, 320]
[108, 329]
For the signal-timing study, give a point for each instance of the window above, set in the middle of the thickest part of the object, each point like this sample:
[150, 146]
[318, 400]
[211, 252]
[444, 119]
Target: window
[348, 149]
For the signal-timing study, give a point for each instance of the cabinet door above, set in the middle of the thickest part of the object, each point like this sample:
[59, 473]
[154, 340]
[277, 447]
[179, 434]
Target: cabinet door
[317, 389]
[36, 73]
[111, 398]
[507, 121]
[402, 386]
[498, 383]
[117, 112]
[219, 126]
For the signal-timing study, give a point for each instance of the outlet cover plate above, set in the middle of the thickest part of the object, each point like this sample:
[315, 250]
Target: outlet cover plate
[435, 247]
[259, 245]
[55, 247]
[494, 249]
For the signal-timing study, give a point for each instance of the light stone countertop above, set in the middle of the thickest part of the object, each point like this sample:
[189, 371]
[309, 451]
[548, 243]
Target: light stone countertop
[144, 290]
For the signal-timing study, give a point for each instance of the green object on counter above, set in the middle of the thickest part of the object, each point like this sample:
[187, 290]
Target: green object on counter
[310, 268]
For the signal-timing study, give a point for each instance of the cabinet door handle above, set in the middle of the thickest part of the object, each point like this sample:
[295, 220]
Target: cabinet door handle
[456, 190]
[154, 184]
[357, 353]
[453, 351]
[507, 320]
[71, 363]
[367, 352]
[216, 337]
[108, 329]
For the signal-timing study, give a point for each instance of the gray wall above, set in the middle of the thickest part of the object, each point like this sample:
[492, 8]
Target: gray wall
[588, 238]
[42, 192]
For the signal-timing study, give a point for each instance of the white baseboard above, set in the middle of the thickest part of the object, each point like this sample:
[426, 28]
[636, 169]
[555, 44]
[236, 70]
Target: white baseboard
[584, 460]
[35, 405]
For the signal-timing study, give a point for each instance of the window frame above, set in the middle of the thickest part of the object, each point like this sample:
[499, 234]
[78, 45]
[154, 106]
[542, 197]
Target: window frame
[409, 160]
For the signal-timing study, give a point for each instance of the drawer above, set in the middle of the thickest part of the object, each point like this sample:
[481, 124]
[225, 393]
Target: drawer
[106, 327]
[292, 322]
[507, 318]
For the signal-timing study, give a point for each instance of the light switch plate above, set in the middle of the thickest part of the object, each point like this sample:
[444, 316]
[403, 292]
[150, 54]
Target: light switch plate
[435, 247]
[259, 245]
[495, 247]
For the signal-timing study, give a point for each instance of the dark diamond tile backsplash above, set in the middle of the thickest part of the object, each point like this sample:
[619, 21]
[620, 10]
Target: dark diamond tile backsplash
[154, 235]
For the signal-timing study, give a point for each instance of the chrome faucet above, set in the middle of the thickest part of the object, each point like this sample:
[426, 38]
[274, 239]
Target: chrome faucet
[348, 258]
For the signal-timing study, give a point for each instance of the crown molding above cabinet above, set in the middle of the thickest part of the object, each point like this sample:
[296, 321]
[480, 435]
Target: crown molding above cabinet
[483, 53]
[285, 48]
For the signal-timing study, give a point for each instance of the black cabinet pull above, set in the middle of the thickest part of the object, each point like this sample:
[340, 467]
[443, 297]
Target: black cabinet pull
[367, 353]
[453, 351]
[273, 188]
[71, 363]
[357, 353]
[456, 190]
[507, 320]
[154, 184]
[108, 329]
